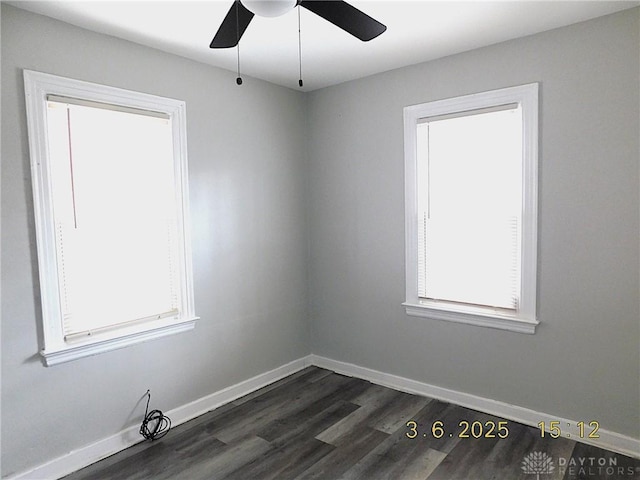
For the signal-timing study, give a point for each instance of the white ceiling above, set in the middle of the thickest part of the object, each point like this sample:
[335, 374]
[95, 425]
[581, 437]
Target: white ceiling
[417, 31]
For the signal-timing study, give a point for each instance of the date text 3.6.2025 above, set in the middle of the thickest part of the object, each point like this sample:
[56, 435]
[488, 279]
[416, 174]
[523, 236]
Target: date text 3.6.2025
[465, 429]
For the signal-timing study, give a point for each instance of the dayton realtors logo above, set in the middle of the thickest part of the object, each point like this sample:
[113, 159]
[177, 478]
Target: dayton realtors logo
[539, 463]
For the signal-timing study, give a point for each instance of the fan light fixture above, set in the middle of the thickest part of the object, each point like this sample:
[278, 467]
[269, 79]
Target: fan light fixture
[338, 12]
[269, 8]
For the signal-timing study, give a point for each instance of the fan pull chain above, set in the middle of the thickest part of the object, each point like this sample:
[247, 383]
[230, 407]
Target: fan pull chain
[299, 49]
[238, 78]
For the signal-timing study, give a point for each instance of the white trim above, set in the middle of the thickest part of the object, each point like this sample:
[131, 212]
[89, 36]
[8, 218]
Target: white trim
[608, 440]
[94, 452]
[480, 318]
[55, 349]
[524, 319]
[71, 352]
[77, 459]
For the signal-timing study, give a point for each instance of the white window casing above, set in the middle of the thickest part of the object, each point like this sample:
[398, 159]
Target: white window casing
[519, 313]
[81, 314]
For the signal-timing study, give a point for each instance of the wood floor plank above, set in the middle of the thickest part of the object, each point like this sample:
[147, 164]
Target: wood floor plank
[467, 461]
[257, 413]
[318, 374]
[416, 467]
[419, 467]
[305, 375]
[355, 446]
[283, 461]
[396, 457]
[307, 423]
[374, 396]
[377, 398]
[397, 412]
[223, 463]
[283, 388]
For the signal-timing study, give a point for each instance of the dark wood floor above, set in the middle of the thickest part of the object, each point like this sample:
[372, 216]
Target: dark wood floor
[317, 424]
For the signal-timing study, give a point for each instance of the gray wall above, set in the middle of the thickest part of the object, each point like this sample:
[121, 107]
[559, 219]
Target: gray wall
[297, 205]
[247, 160]
[584, 361]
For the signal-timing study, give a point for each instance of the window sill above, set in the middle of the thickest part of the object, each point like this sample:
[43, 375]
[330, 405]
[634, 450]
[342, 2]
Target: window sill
[472, 316]
[69, 352]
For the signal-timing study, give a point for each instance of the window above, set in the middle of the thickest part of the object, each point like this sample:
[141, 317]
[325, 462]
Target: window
[110, 189]
[471, 208]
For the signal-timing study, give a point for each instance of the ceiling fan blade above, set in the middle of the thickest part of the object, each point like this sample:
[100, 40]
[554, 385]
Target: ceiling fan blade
[346, 17]
[233, 26]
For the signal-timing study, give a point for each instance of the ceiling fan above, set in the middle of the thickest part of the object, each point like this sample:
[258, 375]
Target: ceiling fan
[338, 12]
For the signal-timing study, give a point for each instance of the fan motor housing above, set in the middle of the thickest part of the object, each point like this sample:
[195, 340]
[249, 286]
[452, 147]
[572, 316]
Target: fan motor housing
[269, 8]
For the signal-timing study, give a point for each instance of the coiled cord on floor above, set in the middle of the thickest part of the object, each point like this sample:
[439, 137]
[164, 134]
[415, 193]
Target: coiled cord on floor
[155, 424]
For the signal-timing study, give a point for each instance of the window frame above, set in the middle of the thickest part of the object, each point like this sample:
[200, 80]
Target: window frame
[55, 349]
[524, 319]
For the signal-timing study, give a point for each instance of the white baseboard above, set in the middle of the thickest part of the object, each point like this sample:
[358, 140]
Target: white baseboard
[77, 459]
[608, 440]
[89, 454]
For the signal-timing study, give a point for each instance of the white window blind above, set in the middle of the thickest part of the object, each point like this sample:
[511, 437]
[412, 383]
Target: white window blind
[115, 215]
[110, 183]
[471, 183]
[470, 207]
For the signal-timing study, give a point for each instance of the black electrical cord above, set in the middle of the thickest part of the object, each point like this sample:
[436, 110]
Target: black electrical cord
[160, 422]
